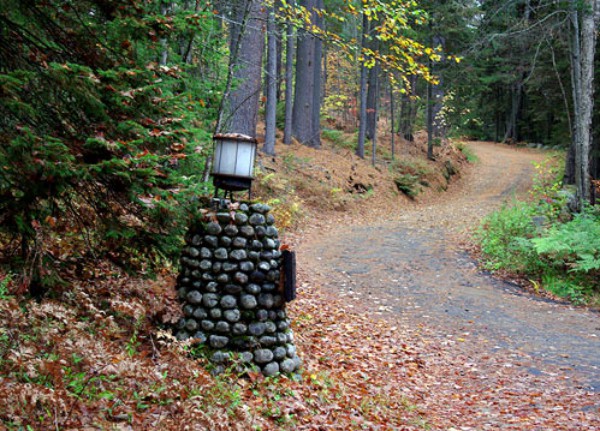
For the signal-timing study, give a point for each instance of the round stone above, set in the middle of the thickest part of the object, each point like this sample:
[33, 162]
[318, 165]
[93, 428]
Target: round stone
[240, 218]
[267, 340]
[210, 300]
[257, 219]
[230, 266]
[253, 289]
[287, 366]
[279, 353]
[211, 240]
[222, 327]
[266, 300]
[191, 325]
[211, 287]
[270, 219]
[207, 325]
[213, 228]
[225, 241]
[268, 287]
[262, 315]
[205, 253]
[205, 265]
[281, 314]
[239, 242]
[239, 255]
[188, 310]
[207, 276]
[247, 231]
[200, 313]
[219, 357]
[263, 356]
[228, 301]
[282, 337]
[195, 274]
[271, 327]
[272, 315]
[200, 337]
[245, 357]
[260, 208]
[267, 255]
[221, 253]
[272, 232]
[218, 341]
[256, 328]
[181, 293]
[282, 325]
[254, 256]
[233, 289]
[264, 266]
[239, 329]
[215, 313]
[224, 217]
[197, 285]
[182, 335]
[240, 278]
[193, 263]
[223, 278]
[268, 243]
[244, 207]
[248, 302]
[231, 230]
[193, 252]
[271, 369]
[290, 350]
[257, 277]
[196, 240]
[246, 266]
[260, 231]
[216, 267]
[233, 315]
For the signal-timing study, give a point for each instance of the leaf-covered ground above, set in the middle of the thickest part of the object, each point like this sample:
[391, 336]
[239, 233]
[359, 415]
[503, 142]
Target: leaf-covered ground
[96, 355]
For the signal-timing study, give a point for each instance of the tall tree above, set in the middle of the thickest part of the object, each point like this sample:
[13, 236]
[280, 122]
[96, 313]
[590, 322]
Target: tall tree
[239, 113]
[305, 124]
[271, 108]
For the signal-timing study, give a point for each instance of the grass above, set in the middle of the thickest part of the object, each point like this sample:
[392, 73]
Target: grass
[467, 152]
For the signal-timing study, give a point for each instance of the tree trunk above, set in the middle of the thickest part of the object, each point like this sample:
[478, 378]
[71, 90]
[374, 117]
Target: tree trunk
[429, 121]
[289, 89]
[362, 129]
[392, 115]
[438, 92]
[582, 64]
[304, 127]
[271, 108]
[372, 96]
[246, 47]
[316, 105]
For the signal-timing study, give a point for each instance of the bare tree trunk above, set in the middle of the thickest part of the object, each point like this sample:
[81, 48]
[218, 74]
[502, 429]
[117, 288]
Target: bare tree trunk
[392, 115]
[304, 127]
[429, 120]
[271, 108]
[247, 44]
[582, 67]
[289, 89]
[362, 129]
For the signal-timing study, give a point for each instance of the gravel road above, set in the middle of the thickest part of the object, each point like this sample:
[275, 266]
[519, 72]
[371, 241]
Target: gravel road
[412, 269]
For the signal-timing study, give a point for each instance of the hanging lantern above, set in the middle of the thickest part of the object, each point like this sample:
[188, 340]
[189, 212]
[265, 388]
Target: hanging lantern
[233, 161]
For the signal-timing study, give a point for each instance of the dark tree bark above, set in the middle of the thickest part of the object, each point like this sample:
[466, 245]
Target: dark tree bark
[246, 47]
[271, 108]
[305, 128]
[372, 96]
[289, 89]
[362, 129]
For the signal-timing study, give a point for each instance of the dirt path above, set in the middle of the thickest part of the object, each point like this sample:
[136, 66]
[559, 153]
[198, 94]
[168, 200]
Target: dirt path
[410, 270]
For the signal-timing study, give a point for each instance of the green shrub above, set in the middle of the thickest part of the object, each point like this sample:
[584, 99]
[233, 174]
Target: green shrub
[574, 245]
[505, 239]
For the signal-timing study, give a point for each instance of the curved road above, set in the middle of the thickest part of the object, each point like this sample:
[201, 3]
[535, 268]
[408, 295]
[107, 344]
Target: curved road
[412, 268]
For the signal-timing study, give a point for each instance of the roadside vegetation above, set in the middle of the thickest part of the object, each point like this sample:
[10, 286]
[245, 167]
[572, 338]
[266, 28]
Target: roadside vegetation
[543, 241]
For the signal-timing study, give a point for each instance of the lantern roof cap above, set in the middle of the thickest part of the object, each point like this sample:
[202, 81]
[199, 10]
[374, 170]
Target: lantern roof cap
[234, 136]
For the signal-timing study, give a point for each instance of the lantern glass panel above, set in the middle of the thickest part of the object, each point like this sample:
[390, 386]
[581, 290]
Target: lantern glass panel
[245, 159]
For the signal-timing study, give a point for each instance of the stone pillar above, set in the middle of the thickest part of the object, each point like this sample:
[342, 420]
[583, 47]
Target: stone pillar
[231, 292]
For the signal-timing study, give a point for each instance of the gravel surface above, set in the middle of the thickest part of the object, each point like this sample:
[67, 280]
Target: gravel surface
[409, 267]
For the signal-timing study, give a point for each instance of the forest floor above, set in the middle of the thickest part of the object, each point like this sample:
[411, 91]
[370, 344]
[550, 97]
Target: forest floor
[493, 355]
[396, 327]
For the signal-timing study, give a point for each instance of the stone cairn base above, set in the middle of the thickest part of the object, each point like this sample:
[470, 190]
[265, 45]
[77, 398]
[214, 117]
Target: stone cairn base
[231, 292]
